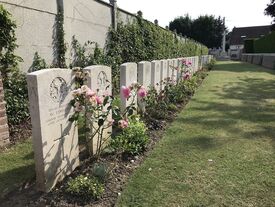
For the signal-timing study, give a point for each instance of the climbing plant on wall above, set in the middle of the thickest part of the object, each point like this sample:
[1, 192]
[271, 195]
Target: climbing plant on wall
[142, 40]
[60, 47]
[8, 60]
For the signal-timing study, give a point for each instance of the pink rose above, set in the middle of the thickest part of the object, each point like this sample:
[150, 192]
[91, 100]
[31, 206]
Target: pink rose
[123, 124]
[126, 92]
[142, 92]
[189, 63]
[90, 93]
[186, 76]
[183, 61]
[99, 100]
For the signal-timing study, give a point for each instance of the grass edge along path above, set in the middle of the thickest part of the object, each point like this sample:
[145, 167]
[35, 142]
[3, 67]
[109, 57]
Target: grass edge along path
[220, 151]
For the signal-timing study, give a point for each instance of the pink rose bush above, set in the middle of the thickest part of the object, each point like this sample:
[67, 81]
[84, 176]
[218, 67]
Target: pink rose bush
[186, 75]
[186, 69]
[142, 92]
[123, 124]
[126, 92]
[98, 109]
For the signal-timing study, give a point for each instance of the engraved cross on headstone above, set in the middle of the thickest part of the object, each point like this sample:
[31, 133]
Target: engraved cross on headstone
[61, 140]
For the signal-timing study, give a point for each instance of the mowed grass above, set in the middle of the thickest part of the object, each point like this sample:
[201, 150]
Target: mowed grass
[220, 151]
[16, 166]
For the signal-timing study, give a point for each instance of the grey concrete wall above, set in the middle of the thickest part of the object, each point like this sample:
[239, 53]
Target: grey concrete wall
[35, 19]
[265, 59]
[244, 57]
[249, 58]
[257, 59]
[269, 61]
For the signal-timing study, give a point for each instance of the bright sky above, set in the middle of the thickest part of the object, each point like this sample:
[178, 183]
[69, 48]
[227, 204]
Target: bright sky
[239, 13]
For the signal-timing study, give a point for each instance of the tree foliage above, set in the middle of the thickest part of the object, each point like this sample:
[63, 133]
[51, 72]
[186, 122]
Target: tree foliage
[205, 29]
[182, 25]
[270, 11]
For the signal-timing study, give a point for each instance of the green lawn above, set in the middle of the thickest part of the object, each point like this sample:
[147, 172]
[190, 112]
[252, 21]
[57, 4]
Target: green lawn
[16, 166]
[220, 151]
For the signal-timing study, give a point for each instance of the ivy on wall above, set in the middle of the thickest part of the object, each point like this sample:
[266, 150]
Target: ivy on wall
[142, 40]
[14, 81]
[8, 60]
[60, 47]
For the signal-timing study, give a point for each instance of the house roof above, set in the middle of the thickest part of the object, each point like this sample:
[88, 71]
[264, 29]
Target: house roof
[239, 34]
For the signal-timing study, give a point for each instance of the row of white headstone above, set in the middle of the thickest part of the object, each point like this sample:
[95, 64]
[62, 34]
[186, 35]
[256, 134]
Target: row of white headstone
[55, 138]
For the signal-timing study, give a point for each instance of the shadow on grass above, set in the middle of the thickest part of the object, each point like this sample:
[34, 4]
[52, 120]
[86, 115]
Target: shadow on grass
[245, 67]
[17, 176]
[244, 108]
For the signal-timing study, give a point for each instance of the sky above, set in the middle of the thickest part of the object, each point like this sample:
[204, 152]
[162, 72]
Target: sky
[238, 13]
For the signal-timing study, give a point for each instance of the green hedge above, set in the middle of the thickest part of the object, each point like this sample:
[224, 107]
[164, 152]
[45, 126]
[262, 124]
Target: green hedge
[265, 44]
[249, 46]
[142, 40]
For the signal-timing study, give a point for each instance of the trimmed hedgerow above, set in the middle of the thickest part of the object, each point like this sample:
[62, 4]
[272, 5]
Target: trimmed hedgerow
[265, 44]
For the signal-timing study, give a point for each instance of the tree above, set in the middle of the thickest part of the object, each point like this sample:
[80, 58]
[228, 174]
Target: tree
[182, 25]
[270, 11]
[205, 29]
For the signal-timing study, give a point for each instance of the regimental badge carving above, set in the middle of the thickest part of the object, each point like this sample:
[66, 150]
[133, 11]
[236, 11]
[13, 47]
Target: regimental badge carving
[58, 89]
[102, 81]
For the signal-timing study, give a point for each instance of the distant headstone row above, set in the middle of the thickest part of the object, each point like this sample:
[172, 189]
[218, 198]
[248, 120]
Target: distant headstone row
[55, 138]
[266, 60]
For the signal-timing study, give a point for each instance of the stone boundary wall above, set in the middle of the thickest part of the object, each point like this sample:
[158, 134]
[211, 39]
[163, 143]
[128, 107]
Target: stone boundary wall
[4, 129]
[36, 20]
[265, 59]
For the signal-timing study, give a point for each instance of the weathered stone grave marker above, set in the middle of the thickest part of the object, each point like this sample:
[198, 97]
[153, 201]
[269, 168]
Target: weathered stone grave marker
[128, 76]
[55, 138]
[155, 81]
[170, 68]
[99, 80]
[163, 73]
[144, 74]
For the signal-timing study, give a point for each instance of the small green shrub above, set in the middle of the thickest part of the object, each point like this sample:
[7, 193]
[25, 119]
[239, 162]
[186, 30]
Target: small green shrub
[16, 97]
[172, 107]
[133, 139]
[38, 63]
[87, 187]
[156, 107]
[87, 54]
[101, 171]
[211, 64]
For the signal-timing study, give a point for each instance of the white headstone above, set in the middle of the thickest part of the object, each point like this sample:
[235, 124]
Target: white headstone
[55, 138]
[155, 81]
[175, 71]
[163, 72]
[99, 80]
[170, 68]
[128, 76]
[144, 74]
